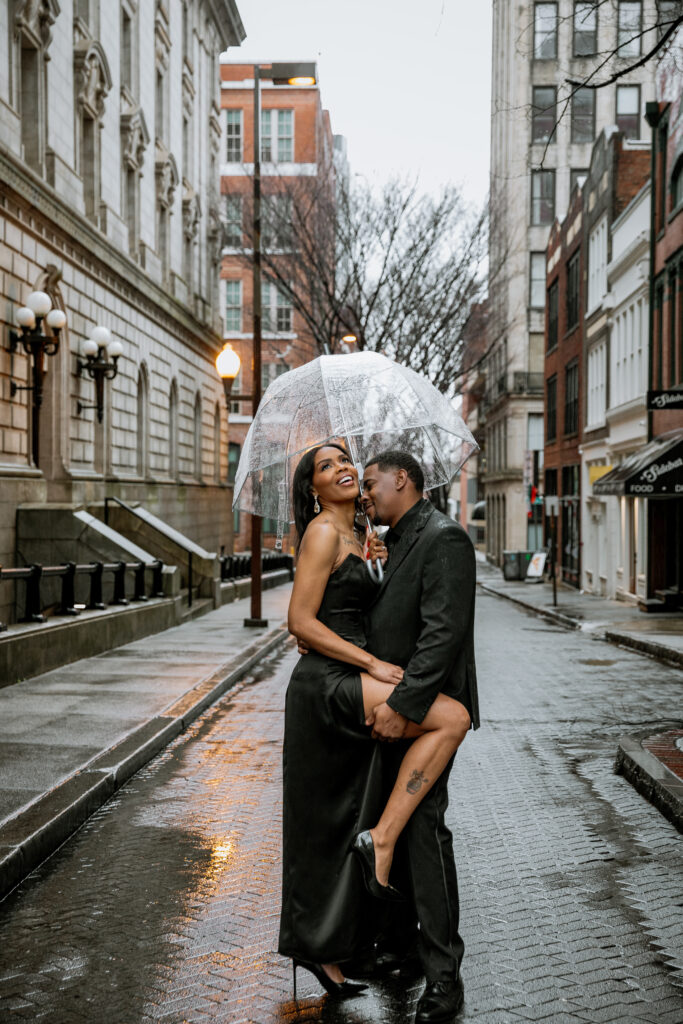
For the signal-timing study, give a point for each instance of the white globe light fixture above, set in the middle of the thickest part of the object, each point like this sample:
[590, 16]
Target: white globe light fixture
[40, 303]
[26, 317]
[56, 319]
[101, 353]
[90, 347]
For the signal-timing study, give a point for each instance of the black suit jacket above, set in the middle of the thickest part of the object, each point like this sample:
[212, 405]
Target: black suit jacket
[423, 616]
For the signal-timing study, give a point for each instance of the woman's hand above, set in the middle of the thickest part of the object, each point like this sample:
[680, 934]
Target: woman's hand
[385, 672]
[377, 548]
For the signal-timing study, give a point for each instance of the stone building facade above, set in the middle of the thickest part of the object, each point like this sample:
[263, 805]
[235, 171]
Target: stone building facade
[109, 161]
[541, 141]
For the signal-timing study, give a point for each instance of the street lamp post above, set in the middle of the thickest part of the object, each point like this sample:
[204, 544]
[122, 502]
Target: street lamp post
[37, 345]
[297, 74]
[98, 367]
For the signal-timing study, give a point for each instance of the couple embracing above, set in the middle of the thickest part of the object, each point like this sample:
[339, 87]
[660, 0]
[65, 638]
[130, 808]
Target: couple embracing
[369, 879]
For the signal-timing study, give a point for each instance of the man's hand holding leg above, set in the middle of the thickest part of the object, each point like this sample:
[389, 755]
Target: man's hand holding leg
[387, 724]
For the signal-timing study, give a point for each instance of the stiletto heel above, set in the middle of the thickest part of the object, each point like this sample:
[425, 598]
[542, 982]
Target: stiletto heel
[364, 848]
[338, 989]
[294, 979]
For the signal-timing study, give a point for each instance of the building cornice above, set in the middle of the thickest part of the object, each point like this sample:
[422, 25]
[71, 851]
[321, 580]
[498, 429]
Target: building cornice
[94, 247]
[228, 23]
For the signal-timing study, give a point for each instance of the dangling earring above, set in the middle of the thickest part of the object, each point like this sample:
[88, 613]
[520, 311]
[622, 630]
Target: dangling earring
[316, 505]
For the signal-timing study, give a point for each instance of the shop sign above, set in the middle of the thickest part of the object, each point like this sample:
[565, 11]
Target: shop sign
[671, 399]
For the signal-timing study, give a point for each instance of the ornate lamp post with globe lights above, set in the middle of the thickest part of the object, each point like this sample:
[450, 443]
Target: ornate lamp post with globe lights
[37, 345]
[101, 353]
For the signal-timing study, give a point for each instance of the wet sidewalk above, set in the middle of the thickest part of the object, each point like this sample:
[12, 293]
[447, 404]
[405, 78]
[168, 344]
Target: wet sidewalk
[71, 737]
[657, 635]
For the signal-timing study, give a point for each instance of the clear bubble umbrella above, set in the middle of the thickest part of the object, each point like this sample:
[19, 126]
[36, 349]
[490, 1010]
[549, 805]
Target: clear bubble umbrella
[362, 398]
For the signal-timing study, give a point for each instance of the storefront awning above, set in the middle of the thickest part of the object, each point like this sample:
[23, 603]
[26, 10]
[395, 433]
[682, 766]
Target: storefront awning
[656, 470]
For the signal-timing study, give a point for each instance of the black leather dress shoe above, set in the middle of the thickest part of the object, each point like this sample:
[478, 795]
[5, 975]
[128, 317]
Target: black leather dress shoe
[440, 1002]
[409, 964]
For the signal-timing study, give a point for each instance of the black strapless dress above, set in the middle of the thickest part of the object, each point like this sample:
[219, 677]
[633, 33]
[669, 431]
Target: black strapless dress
[332, 788]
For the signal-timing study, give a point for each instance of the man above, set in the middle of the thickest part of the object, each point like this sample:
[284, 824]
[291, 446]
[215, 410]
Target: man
[423, 620]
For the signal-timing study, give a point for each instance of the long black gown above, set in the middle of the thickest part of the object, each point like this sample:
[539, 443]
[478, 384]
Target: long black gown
[332, 788]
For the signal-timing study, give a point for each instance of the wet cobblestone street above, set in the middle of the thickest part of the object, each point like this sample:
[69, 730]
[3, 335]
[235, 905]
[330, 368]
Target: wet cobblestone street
[164, 907]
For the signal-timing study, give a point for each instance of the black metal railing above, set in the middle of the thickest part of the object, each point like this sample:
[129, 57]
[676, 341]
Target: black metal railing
[34, 576]
[237, 567]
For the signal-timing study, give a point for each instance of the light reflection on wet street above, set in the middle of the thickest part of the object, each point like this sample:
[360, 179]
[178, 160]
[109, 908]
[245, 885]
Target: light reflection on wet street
[164, 907]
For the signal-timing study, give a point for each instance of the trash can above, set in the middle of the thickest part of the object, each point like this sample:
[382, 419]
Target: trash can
[512, 567]
[515, 564]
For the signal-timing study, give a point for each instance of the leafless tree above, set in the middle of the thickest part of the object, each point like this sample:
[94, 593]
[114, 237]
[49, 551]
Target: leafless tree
[398, 269]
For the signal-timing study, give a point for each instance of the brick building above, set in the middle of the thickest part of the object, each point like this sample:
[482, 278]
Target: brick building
[297, 164]
[110, 124]
[563, 378]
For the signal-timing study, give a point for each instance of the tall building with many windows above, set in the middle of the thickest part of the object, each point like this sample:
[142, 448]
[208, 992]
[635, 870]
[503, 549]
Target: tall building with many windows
[542, 134]
[299, 161]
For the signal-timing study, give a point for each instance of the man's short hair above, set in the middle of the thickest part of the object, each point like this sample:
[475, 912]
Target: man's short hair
[395, 459]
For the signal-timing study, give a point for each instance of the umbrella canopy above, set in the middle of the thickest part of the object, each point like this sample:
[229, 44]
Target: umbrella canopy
[363, 398]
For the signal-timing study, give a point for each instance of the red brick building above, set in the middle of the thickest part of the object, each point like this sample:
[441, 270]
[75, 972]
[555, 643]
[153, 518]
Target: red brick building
[665, 396]
[297, 158]
[563, 377]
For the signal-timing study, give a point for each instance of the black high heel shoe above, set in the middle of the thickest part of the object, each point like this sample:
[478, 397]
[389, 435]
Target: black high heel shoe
[339, 989]
[364, 848]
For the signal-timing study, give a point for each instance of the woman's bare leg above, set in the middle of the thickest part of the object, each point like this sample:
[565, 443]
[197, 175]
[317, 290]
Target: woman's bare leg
[436, 739]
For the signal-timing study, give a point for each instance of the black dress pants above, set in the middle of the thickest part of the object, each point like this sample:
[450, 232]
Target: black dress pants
[425, 868]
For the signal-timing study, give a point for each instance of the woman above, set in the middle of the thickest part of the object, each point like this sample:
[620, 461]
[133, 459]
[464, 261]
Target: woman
[331, 764]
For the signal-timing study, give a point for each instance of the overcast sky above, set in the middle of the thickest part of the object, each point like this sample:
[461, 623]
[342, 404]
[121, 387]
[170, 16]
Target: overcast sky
[406, 81]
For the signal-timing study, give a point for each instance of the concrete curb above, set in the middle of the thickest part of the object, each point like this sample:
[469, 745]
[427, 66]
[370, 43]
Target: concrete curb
[650, 647]
[546, 613]
[651, 779]
[39, 829]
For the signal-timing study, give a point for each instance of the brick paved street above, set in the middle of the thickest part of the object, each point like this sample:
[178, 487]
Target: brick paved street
[164, 907]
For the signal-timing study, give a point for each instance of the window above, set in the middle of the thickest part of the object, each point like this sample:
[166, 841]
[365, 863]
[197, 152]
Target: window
[277, 221]
[233, 221]
[551, 408]
[597, 264]
[542, 197]
[596, 387]
[583, 115]
[276, 309]
[673, 376]
[628, 110]
[233, 136]
[271, 371]
[573, 285]
[677, 185]
[545, 31]
[537, 280]
[126, 50]
[553, 312]
[233, 305]
[543, 114]
[629, 26]
[234, 451]
[577, 176]
[571, 398]
[277, 135]
[159, 118]
[667, 13]
[585, 29]
[198, 436]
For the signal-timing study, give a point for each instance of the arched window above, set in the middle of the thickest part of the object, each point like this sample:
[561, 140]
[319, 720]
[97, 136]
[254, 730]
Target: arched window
[173, 430]
[143, 422]
[198, 436]
[217, 443]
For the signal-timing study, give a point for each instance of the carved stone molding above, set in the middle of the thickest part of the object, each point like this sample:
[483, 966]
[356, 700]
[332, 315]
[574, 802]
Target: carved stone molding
[34, 19]
[192, 211]
[134, 138]
[167, 177]
[214, 231]
[188, 94]
[162, 36]
[214, 134]
[92, 77]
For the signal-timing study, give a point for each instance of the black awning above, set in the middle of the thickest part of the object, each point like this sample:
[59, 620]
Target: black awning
[479, 511]
[656, 470]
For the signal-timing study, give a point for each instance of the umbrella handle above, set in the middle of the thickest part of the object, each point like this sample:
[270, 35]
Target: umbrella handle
[376, 571]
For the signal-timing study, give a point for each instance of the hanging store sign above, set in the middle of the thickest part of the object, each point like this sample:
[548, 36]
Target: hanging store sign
[671, 399]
